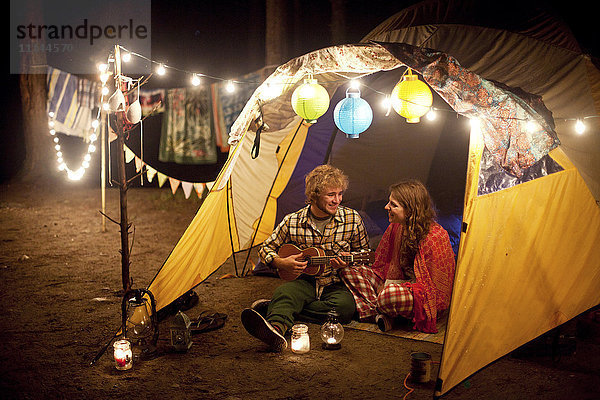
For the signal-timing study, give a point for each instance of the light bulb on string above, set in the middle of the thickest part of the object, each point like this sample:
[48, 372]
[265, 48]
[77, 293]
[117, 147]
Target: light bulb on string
[354, 84]
[102, 67]
[104, 91]
[126, 57]
[161, 70]
[195, 80]
[579, 126]
[431, 115]
[230, 87]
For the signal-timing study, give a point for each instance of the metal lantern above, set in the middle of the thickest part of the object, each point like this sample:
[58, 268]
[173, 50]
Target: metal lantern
[411, 98]
[353, 115]
[181, 338]
[332, 332]
[139, 324]
[310, 100]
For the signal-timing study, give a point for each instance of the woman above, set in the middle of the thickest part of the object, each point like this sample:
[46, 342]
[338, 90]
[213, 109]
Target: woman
[414, 264]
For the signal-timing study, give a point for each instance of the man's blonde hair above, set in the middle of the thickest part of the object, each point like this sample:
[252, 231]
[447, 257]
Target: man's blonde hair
[323, 178]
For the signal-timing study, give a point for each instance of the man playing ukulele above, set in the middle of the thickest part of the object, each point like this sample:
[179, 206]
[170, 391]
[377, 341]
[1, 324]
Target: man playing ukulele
[323, 224]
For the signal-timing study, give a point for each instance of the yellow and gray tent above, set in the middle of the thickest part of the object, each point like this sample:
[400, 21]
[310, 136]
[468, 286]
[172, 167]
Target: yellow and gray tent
[517, 191]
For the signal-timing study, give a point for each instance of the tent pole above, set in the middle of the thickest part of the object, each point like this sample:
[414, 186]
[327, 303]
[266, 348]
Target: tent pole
[330, 146]
[229, 222]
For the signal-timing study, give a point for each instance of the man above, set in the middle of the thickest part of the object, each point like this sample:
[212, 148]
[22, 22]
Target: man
[324, 224]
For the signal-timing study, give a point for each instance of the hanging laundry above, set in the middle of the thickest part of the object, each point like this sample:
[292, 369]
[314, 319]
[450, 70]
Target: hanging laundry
[186, 135]
[228, 106]
[72, 100]
[152, 100]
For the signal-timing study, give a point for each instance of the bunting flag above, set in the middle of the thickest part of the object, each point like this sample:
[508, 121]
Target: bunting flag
[138, 164]
[150, 173]
[129, 155]
[174, 184]
[199, 187]
[187, 188]
[161, 179]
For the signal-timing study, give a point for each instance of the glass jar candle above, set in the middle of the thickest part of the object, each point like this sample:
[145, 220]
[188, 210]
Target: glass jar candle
[123, 355]
[300, 341]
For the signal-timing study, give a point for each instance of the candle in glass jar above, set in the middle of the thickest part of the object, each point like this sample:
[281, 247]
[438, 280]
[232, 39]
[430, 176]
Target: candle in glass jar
[123, 354]
[300, 340]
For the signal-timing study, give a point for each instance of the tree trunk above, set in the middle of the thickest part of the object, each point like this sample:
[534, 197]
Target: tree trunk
[275, 40]
[38, 163]
[338, 22]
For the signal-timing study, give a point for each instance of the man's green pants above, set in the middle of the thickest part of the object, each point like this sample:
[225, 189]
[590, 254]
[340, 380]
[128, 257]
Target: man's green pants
[297, 300]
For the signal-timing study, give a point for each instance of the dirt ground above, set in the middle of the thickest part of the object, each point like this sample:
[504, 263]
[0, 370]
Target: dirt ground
[60, 300]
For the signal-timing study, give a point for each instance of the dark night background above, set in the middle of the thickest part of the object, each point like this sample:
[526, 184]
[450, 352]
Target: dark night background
[227, 39]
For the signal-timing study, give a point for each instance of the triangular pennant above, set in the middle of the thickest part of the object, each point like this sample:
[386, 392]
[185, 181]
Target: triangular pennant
[174, 184]
[111, 135]
[150, 172]
[129, 155]
[138, 164]
[187, 188]
[161, 178]
[199, 187]
[209, 185]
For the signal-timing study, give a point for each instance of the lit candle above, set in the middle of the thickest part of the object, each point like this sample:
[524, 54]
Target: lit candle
[300, 340]
[123, 355]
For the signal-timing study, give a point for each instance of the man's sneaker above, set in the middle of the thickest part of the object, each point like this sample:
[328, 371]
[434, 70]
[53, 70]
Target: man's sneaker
[258, 327]
[260, 306]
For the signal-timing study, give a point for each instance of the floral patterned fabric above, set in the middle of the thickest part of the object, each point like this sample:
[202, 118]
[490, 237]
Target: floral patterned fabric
[186, 136]
[503, 115]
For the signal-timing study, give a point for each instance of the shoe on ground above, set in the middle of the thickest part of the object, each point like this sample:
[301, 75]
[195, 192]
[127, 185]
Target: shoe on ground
[260, 306]
[384, 323]
[261, 329]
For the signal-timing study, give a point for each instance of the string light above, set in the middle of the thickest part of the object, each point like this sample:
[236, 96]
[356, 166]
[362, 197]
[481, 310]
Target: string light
[161, 70]
[126, 57]
[230, 87]
[579, 126]
[431, 115]
[195, 80]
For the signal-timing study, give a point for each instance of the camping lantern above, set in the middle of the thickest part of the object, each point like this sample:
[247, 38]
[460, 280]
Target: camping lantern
[332, 332]
[300, 342]
[353, 115]
[180, 332]
[139, 321]
[310, 100]
[411, 98]
[122, 354]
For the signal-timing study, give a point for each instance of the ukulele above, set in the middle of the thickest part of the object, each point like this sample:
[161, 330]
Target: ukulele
[317, 260]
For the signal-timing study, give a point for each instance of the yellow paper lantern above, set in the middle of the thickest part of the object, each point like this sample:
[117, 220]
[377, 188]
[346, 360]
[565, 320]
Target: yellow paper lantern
[411, 98]
[310, 100]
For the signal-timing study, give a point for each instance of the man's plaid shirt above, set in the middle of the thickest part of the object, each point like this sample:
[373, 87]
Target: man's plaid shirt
[345, 232]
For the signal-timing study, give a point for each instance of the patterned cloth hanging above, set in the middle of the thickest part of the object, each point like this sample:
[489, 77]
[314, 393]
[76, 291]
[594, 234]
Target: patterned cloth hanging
[186, 135]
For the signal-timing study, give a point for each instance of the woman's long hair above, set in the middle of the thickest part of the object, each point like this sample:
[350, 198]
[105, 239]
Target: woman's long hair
[419, 213]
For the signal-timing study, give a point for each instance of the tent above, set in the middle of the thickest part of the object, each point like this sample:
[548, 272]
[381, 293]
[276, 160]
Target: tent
[518, 201]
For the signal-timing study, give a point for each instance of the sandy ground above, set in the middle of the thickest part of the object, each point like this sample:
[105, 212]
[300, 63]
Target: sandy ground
[60, 303]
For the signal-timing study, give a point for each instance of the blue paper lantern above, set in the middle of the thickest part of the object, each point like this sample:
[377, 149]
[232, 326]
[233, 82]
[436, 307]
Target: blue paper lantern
[352, 115]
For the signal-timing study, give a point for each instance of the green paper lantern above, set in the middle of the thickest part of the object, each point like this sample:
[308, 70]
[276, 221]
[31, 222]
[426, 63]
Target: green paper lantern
[310, 100]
